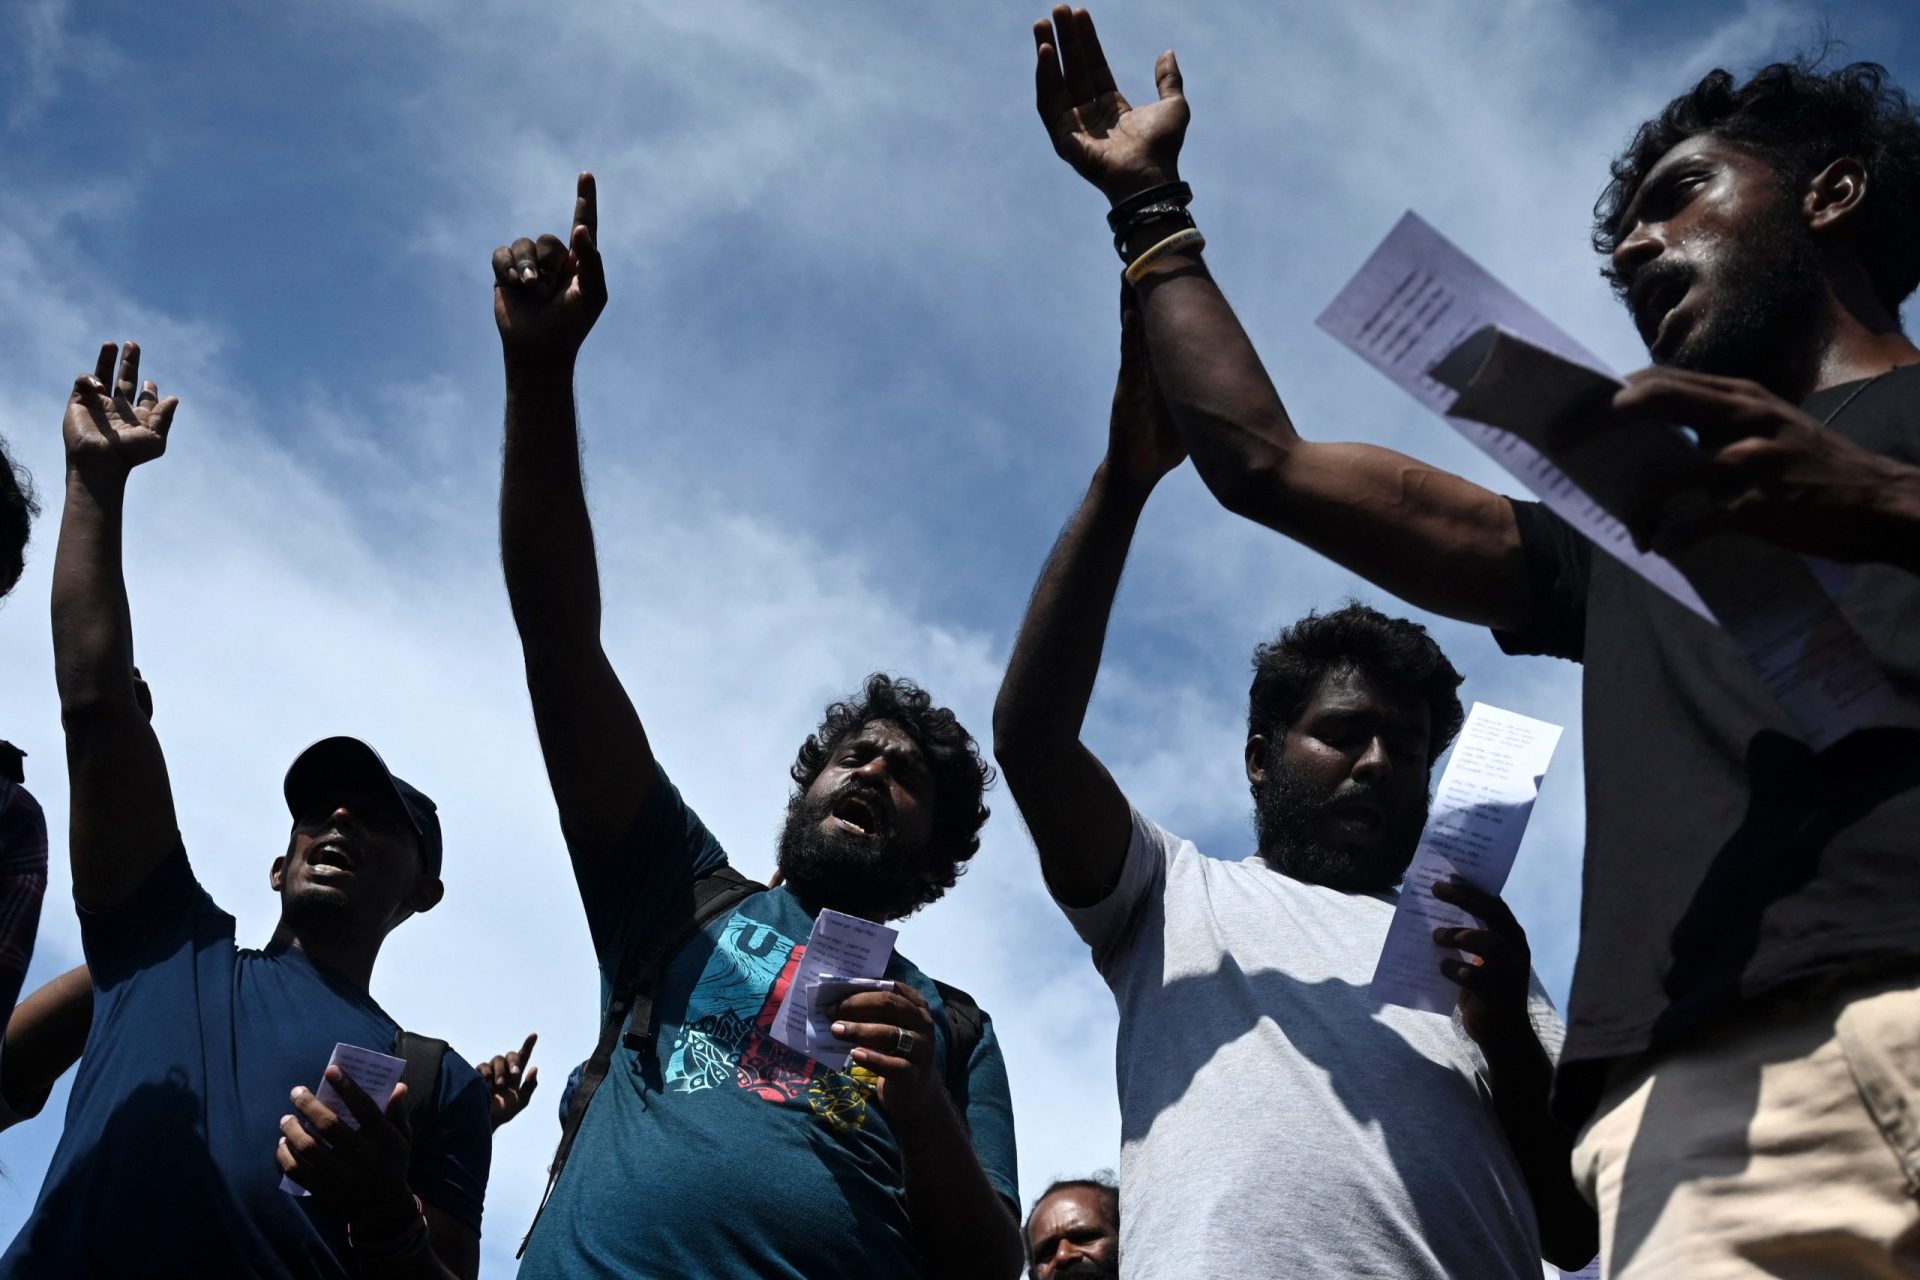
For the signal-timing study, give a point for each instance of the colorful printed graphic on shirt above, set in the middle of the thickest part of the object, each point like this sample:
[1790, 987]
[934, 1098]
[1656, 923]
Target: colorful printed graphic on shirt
[729, 1030]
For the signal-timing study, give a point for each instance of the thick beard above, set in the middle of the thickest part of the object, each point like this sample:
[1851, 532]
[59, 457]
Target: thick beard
[871, 876]
[1770, 319]
[1288, 809]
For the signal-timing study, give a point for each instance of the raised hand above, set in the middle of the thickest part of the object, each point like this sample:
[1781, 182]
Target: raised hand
[510, 1081]
[1142, 443]
[115, 422]
[1119, 148]
[547, 292]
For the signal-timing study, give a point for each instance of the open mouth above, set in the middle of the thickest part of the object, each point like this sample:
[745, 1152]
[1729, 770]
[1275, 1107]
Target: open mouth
[857, 812]
[1654, 302]
[332, 856]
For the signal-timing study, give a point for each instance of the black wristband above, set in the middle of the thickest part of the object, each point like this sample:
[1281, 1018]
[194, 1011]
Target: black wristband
[1166, 193]
[1166, 210]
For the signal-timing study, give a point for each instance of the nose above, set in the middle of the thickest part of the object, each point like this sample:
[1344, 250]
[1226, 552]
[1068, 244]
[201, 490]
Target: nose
[1637, 248]
[1374, 764]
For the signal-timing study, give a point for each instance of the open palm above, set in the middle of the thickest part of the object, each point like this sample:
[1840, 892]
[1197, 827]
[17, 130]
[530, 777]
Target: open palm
[1118, 147]
[115, 421]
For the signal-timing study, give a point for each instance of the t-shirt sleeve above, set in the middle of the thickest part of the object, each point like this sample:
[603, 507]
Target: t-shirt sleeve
[1108, 925]
[1559, 566]
[989, 1114]
[159, 919]
[628, 890]
[449, 1171]
[23, 883]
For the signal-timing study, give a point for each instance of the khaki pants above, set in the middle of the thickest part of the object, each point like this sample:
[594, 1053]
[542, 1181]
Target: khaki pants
[1783, 1143]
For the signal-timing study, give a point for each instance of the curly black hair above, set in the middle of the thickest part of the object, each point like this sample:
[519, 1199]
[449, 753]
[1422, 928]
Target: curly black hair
[961, 775]
[1798, 119]
[17, 510]
[1101, 1180]
[1397, 654]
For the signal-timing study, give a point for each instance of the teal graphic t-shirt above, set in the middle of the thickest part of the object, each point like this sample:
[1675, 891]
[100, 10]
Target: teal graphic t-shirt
[721, 1152]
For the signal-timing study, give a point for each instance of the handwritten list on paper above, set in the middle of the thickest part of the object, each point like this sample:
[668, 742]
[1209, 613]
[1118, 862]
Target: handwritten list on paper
[1479, 814]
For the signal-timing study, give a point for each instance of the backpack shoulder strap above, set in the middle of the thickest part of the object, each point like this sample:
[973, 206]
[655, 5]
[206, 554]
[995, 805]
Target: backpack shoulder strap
[421, 1075]
[699, 903]
[966, 1024]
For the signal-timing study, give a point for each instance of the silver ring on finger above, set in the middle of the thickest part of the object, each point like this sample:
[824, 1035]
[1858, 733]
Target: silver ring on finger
[903, 1043]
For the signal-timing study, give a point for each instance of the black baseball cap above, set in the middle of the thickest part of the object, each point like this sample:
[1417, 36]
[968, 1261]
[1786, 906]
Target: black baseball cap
[331, 761]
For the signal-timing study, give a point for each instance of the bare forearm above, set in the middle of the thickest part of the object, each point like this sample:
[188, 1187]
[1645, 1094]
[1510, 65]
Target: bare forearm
[46, 1035]
[1428, 536]
[92, 632]
[1056, 657]
[1522, 1077]
[963, 1228]
[546, 532]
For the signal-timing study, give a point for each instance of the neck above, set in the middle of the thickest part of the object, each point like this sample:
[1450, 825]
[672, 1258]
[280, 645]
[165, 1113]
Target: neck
[1863, 340]
[351, 959]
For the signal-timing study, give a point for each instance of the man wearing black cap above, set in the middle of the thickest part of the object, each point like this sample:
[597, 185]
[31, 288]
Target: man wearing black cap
[194, 1096]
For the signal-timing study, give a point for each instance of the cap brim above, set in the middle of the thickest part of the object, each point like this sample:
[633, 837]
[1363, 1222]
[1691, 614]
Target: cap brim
[325, 764]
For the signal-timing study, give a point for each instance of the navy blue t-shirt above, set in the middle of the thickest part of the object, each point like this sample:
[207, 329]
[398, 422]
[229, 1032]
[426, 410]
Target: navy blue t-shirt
[723, 1153]
[166, 1166]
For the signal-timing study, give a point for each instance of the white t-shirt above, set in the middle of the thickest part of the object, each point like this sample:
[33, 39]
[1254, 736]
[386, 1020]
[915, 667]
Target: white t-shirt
[1275, 1119]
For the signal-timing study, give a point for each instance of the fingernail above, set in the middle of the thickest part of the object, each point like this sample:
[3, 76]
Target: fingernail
[299, 1092]
[840, 1029]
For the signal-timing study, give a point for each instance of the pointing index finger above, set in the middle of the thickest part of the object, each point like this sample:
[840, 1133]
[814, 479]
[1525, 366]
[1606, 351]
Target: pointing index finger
[586, 207]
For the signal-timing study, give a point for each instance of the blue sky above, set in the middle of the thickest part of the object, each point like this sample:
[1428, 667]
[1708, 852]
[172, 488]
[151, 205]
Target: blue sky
[853, 377]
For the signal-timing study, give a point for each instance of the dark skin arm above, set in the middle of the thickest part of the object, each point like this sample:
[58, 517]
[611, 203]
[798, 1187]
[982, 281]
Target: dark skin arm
[962, 1226]
[46, 1035]
[1080, 821]
[1493, 1009]
[362, 1174]
[122, 821]
[547, 295]
[1429, 537]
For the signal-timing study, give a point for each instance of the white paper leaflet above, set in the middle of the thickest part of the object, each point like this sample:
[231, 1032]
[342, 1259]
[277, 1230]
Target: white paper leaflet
[1473, 831]
[377, 1074]
[844, 954]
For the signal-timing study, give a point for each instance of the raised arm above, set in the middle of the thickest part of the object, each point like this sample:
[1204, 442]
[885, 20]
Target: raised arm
[1076, 813]
[547, 294]
[1429, 537]
[122, 821]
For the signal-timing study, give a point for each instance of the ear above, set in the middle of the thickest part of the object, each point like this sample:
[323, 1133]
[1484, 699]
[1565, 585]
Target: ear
[277, 877]
[1834, 197]
[426, 895]
[1256, 753]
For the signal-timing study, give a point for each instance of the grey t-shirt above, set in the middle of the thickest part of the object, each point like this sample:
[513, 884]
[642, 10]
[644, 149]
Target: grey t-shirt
[1275, 1119]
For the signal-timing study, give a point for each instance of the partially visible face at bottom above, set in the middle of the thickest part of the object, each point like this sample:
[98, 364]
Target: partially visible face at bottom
[1340, 798]
[1073, 1235]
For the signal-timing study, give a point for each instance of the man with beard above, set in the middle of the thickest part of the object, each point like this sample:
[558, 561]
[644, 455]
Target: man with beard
[1073, 1232]
[696, 1145]
[1252, 1058]
[194, 1097]
[1745, 1019]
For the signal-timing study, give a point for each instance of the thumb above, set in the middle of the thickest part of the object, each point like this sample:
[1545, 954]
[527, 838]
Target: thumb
[1166, 76]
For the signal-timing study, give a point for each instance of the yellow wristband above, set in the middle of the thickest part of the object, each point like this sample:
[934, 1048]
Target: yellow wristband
[1188, 238]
